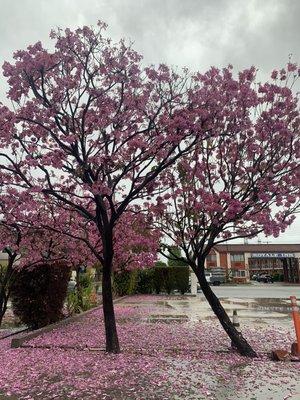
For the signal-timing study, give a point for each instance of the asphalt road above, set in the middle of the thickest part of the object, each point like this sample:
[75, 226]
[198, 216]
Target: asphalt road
[258, 291]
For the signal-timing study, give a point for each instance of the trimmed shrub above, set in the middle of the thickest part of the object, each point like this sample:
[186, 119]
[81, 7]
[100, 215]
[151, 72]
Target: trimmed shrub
[182, 278]
[278, 277]
[160, 264]
[125, 282]
[158, 281]
[145, 283]
[168, 279]
[155, 280]
[38, 294]
[164, 279]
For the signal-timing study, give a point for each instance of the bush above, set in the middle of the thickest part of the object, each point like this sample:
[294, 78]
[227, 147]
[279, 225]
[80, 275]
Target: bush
[125, 282]
[83, 297]
[168, 278]
[159, 279]
[160, 264]
[38, 294]
[182, 278]
[278, 277]
[145, 284]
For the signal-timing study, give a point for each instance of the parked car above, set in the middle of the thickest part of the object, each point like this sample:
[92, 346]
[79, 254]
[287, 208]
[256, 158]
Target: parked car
[265, 278]
[215, 278]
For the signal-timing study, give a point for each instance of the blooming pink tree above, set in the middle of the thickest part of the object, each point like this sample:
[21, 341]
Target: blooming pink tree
[91, 130]
[240, 182]
[136, 243]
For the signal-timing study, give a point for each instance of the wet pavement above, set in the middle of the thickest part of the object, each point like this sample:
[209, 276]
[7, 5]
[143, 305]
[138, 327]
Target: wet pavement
[251, 311]
[219, 376]
[258, 290]
[258, 303]
[258, 313]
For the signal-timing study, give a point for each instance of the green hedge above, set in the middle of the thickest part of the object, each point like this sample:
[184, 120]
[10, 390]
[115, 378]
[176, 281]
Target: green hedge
[182, 275]
[125, 282]
[160, 279]
[278, 277]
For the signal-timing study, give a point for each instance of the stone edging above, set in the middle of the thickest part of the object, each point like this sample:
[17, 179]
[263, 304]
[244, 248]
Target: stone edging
[18, 342]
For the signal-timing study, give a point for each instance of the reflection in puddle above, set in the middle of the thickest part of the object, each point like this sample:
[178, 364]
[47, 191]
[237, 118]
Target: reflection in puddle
[278, 305]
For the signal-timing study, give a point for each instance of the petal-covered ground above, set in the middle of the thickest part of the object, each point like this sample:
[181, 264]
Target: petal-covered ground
[165, 355]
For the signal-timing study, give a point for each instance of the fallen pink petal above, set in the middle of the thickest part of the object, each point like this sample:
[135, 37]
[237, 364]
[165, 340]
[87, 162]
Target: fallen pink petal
[159, 360]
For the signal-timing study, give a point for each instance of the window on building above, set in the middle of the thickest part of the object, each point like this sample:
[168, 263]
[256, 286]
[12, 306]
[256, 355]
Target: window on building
[240, 273]
[211, 257]
[237, 257]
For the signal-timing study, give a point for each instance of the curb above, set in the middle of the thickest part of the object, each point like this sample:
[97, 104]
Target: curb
[18, 342]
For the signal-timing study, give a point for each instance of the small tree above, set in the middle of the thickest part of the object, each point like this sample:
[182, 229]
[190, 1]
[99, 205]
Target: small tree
[168, 279]
[83, 297]
[242, 181]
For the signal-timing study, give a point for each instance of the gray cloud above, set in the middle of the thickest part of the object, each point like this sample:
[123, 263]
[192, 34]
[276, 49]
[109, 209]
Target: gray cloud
[193, 33]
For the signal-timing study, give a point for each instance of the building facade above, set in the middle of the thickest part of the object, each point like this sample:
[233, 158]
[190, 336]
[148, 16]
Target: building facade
[241, 261]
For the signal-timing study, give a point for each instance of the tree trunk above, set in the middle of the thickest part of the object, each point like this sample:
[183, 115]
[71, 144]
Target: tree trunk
[79, 288]
[236, 337]
[105, 228]
[3, 306]
[112, 341]
[7, 274]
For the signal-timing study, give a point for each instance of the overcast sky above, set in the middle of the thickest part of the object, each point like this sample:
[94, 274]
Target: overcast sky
[193, 33]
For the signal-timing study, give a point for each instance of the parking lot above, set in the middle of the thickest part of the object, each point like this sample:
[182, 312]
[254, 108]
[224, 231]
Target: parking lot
[256, 290]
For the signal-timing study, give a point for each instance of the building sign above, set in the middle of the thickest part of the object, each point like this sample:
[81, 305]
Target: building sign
[272, 255]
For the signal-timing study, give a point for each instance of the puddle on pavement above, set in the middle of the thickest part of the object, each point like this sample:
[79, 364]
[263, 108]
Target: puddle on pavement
[185, 304]
[195, 309]
[237, 300]
[164, 304]
[268, 308]
[263, 304]
[256, 312]
[167, 318]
